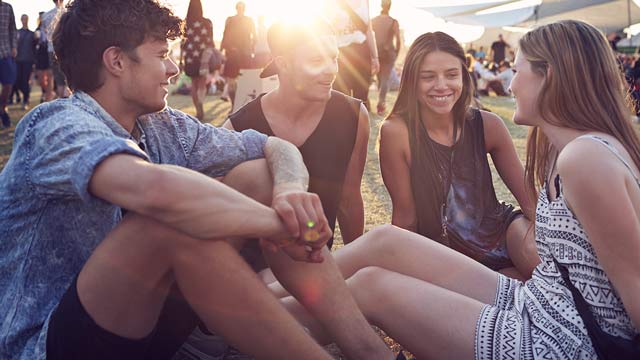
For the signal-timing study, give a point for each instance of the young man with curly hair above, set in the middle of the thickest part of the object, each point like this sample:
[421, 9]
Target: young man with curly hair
[113, 232]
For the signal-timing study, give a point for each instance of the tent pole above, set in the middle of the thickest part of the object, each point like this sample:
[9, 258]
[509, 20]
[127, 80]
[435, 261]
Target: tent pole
[629, 16]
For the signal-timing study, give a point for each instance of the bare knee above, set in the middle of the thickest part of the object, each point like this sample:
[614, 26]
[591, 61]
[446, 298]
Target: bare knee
[146, 240]
[368, 288]
[381, 239]
[253, 179]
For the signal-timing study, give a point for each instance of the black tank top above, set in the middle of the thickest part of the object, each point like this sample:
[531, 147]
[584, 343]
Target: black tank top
[475, 217]
[326, 152]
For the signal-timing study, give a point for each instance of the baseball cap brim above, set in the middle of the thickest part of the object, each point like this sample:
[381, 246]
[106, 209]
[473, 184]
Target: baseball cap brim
[269, 70]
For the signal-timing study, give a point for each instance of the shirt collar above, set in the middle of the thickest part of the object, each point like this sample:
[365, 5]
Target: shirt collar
[90, 104]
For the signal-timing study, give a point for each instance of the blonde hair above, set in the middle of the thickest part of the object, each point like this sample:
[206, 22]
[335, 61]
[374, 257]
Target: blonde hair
[583, 89]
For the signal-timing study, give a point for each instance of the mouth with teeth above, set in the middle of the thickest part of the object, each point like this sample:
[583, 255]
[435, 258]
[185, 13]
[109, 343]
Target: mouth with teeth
[441, 99]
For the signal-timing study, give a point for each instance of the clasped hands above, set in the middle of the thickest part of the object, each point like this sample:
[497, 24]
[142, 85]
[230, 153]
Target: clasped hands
[306, 229]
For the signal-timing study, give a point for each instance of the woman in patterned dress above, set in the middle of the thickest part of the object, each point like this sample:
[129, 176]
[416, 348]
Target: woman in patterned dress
[197, 49]
[583, 157]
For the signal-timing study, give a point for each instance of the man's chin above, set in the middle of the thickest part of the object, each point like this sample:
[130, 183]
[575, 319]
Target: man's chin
[157, 108]
[318, 96]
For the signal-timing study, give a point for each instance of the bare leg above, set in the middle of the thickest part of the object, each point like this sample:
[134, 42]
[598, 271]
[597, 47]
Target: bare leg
[319, 287]
[46, 82]
[408, 253]
[430, 321]
[521, 246]
[4, 96]
[231, 88]
[197, 95]
[126, 280]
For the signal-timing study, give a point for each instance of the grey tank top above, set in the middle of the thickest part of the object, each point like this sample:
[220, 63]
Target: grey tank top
[476, 220]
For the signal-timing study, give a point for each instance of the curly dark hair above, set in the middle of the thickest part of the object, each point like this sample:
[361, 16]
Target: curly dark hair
[88, 27]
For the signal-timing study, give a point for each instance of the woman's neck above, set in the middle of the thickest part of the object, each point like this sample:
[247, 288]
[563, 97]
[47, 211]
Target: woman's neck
[560, 136]
[437, 123]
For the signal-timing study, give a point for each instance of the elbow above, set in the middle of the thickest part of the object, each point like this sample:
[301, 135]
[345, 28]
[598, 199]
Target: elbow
[405, 221]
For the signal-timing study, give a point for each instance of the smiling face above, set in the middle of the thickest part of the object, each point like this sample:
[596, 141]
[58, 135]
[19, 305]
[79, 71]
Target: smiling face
[440, 82]
[146, 78]
[525, 86]
[311, 68]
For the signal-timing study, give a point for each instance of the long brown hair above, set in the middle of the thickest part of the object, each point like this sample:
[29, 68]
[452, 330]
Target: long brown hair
[583, 89]
[407, 107]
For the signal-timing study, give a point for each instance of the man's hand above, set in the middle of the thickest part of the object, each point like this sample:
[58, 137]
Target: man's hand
[302, 214]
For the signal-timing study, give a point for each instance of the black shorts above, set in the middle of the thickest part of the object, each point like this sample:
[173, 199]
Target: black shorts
[73, 334]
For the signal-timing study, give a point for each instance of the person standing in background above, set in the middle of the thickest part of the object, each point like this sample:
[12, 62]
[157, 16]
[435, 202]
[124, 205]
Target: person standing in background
[262, 54]
[43, 67]
[238, 42]
[358, 59]
[47, 25]
[8, 43]
[196, 50]
[387, 31]
[499, 50]
[480, 54]
[26, 57]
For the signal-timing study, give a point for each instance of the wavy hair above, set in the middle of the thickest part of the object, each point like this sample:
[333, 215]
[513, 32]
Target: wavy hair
[89, 27]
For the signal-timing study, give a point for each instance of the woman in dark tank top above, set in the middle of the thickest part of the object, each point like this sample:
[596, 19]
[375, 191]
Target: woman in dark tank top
[433, 157]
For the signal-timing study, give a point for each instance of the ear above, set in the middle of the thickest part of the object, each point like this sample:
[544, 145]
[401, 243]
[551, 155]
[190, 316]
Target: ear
[113, 60]
[549, 71]
[281, 63]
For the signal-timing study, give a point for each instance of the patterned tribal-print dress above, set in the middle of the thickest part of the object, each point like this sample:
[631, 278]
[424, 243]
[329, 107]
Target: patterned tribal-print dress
[538, 319]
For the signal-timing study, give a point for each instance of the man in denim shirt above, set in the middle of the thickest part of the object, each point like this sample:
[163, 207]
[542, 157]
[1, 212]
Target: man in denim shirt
[78, 280]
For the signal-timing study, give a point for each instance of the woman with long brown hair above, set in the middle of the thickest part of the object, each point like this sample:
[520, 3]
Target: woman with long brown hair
[433, 157]
[583, 161]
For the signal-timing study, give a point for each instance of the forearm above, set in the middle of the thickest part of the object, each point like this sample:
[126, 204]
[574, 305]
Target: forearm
[405, 221]
[205, 208]
[286, 165]
[351, 218]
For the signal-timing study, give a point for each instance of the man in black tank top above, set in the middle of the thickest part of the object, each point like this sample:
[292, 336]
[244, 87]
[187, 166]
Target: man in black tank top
[330, 129]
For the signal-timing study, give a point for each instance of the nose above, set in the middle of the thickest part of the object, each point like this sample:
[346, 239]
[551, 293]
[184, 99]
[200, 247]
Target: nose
[172, 68]
[441, 83]
[331, 68]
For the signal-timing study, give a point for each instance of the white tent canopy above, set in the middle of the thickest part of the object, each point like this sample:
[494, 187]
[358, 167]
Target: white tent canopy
[634, 41]
[608, 15]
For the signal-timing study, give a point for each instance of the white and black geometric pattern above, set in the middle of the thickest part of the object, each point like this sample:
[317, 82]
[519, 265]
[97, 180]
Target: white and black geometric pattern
[538, 319]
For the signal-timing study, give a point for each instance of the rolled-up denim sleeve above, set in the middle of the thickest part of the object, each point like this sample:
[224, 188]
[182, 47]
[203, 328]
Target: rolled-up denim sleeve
[65, 156]
[214, 151]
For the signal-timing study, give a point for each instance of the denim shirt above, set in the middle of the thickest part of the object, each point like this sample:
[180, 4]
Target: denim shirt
[49, 221]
